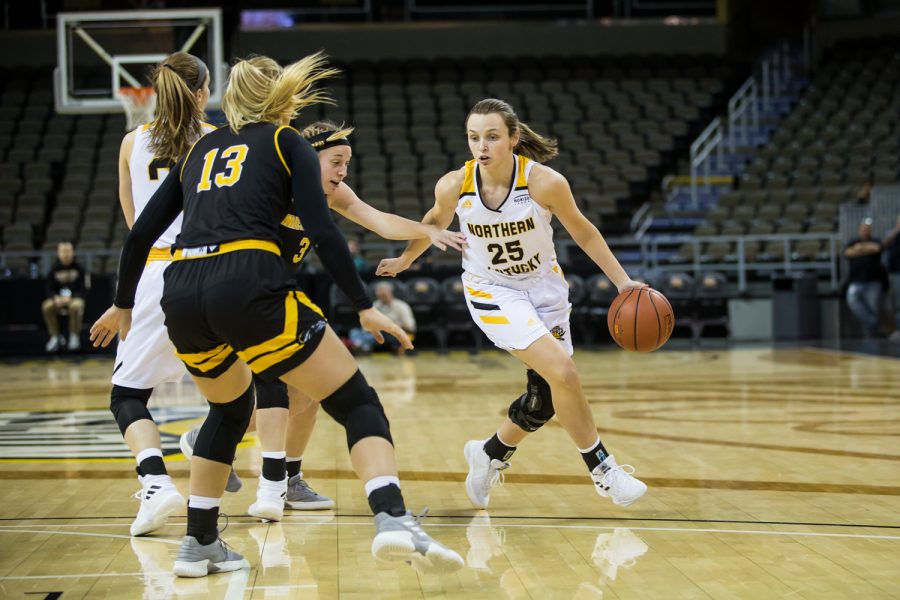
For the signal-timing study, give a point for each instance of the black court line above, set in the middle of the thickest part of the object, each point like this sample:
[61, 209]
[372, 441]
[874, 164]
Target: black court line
[509, 517]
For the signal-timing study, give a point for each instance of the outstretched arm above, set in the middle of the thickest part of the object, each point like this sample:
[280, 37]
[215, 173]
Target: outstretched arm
[551, 190]
[446, 196]
[389, 226]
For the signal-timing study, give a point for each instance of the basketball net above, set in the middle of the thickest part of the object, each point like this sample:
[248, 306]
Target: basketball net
[139, 104]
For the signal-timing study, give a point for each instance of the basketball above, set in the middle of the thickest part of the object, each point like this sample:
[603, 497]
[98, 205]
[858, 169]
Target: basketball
[640, 320]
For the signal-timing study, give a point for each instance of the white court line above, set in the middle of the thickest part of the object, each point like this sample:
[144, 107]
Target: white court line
[14, 529]
[80, 575]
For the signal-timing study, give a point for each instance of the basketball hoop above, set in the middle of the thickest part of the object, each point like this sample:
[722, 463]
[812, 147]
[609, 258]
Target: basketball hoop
[139, 104]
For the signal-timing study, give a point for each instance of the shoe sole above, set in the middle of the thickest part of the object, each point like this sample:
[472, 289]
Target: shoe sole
[398, 546]
[173, 504]
[271, 512]
[316, 505]
[630, 501]
[234, 483]
[202, 568]
[469, 490]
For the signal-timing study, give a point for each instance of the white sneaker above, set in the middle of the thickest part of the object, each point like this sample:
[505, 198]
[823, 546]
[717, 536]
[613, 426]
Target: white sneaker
[402, 539]
[74, 342]
[159, 499]
[270, 497]
[484, 473]
[613, 481]
[485, 542]
[52, 344]
[621, 548]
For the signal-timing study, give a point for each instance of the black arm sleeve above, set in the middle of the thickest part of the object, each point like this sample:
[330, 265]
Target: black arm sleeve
[159, 213]
[311, 207]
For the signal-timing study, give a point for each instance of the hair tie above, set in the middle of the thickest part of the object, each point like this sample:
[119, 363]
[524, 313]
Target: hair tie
[322, 141]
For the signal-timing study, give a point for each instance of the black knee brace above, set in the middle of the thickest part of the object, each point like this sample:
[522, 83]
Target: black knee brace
[535, 407]
[271, 394]
[356, 406]
[129, 405]
[224, 427]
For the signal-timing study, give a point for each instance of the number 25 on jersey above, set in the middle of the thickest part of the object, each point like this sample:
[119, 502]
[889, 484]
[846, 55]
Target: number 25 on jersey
[227, 177]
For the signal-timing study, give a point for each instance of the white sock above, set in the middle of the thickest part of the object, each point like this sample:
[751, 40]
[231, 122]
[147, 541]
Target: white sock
[147, 453]
[276, 455]
[591, 447]
[293, 458]
[510, 445]
[203, 502]
[380, 482]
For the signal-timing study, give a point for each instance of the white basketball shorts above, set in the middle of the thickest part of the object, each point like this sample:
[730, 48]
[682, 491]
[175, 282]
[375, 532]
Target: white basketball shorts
[513, 319]
[146, 358]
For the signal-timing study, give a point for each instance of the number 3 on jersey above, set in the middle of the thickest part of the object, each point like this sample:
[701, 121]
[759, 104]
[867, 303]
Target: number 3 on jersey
[232, 172]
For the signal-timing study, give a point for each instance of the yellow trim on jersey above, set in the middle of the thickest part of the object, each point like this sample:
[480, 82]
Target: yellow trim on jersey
[217, 249]
[292, 222]
[207, 360]
[521, 179]
[278, 148]
[281, 347]
[158, 254]
[493, 320]
[477, 294]
[468, 185]
[210, 125]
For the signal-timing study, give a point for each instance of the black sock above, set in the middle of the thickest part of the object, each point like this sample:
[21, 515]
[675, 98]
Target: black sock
[273, 469]
[137, 470]
[387, 499]
[153, 465]
[595, 456]
[293, 467]
[201, 524]
[497, 450]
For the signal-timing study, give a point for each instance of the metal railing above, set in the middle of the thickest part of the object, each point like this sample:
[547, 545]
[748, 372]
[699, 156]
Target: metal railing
[650, 250]
[743, 113]
[709, 141]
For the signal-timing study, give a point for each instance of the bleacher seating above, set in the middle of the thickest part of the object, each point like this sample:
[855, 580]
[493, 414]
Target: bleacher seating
[620, 125]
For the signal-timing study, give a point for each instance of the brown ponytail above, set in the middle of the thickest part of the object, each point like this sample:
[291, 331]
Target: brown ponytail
[531, 144]
[178, 116]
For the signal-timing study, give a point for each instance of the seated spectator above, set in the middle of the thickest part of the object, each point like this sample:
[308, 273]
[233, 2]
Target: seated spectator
[358, 259]
[65, 290]
[892, 248]
[398, 310]
[865, 277]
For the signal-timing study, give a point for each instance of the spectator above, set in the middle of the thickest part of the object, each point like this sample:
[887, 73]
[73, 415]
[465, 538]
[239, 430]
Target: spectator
[866, 274]
[865, 193]
[398, 310]
[892, 248]
[65, 295]
[358, 260]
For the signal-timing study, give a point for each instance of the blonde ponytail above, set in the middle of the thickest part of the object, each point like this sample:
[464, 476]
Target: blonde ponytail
[178, 116]
[261, 91]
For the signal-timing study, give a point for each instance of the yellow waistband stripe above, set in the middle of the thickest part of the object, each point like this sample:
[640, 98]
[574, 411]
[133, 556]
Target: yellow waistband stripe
[216, 249]
[158, 254]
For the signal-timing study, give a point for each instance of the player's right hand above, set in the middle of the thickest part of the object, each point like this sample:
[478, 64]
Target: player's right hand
[390, 267]
[444, 238]
[374, 321]
[114, 320]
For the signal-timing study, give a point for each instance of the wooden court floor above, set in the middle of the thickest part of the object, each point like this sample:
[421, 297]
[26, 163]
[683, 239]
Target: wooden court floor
[773, 473]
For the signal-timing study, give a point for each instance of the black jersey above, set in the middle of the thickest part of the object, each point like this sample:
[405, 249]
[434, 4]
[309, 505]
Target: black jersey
[294, 242]
[236, 186]
[241, 186]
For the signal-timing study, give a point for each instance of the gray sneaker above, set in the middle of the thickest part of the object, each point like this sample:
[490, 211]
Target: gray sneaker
[302, 497]
[187, 441]
[403, 539]
[194, 560]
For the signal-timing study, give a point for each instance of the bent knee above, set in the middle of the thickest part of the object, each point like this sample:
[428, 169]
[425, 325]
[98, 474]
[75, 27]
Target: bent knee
[48, 305]
[76, 304]
[564, 375]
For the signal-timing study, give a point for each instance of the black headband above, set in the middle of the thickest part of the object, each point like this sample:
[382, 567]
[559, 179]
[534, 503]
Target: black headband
[321, 142]
[201, 73]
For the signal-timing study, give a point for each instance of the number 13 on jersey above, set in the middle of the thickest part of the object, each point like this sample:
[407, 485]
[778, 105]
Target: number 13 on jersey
[230, 174]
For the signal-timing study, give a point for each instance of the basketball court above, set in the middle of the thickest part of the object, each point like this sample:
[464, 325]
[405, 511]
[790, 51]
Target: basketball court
[772, 474]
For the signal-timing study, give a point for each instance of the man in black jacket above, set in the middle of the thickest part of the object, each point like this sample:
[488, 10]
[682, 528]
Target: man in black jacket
[866, 274]
[65, 294]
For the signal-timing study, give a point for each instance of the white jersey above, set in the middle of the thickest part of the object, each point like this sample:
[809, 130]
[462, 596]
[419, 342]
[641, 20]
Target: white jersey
[147, 173]
[511, 245]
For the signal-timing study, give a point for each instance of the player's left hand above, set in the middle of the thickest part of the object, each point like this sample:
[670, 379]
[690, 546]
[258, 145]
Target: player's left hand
[444, 238]
[374, 321]
[114, 321]
[631, 284]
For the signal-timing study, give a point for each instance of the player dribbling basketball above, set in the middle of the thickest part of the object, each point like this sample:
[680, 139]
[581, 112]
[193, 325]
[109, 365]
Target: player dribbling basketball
[516, 291]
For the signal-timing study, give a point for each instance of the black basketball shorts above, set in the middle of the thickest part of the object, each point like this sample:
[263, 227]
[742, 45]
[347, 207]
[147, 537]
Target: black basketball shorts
[226, 302]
